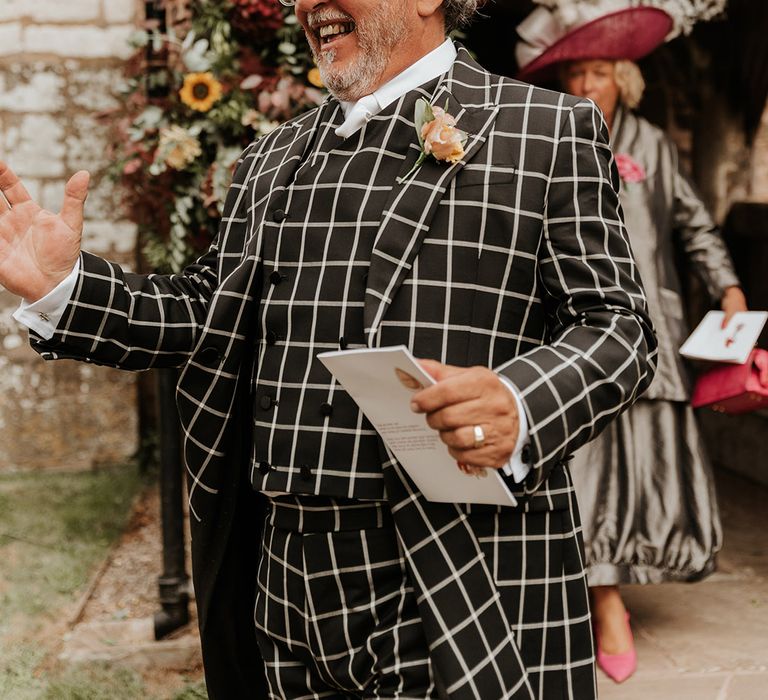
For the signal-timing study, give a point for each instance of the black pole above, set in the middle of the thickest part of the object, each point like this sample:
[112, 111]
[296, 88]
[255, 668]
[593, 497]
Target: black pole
[174, 582]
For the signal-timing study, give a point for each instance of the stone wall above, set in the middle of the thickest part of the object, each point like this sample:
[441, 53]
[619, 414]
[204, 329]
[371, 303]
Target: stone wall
[61, 63]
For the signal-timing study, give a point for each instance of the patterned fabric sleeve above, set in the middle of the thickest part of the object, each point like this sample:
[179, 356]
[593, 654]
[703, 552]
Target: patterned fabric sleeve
[601, 352]
[702, 242]
[136, 322]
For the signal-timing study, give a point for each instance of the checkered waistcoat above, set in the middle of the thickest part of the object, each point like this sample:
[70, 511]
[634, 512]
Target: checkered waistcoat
[316, 237]
[514, 258]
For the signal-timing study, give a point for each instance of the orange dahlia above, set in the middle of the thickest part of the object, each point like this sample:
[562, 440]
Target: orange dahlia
[200, 91]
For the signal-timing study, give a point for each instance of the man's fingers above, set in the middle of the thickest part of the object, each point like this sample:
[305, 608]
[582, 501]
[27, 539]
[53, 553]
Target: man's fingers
[438, 371]
[454, 385]
[458, 415]
[12, 188]
[75, 194]
[463, 437]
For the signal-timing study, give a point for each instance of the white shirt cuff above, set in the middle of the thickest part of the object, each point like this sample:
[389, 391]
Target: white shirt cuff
[43, 316]
[516, 468]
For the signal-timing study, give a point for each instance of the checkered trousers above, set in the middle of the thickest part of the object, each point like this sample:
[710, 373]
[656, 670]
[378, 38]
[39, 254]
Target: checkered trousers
[337, 615]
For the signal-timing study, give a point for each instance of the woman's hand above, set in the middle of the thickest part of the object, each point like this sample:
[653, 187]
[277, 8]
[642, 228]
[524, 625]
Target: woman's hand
[732, 302]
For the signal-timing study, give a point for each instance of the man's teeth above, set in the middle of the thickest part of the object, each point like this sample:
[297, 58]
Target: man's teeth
[330, 30]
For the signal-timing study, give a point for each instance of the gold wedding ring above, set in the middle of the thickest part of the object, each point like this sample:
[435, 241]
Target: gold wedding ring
[479, 437]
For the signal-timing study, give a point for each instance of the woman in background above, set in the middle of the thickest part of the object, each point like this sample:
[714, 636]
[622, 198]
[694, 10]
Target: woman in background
[644, 485]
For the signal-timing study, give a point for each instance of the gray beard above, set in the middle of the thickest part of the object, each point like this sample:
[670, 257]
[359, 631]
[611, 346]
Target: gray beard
[376, 38]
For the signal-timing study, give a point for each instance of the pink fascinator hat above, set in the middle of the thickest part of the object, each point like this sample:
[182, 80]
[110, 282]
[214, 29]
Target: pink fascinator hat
[607, 29]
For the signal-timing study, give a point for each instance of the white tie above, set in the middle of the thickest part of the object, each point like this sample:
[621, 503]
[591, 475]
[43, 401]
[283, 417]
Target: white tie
[364, 109]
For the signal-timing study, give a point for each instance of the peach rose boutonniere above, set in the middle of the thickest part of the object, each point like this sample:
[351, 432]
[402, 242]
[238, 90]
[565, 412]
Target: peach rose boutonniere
[438, 136]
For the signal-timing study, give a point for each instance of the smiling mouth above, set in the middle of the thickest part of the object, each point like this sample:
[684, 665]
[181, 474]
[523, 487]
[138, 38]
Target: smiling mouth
[329, 33]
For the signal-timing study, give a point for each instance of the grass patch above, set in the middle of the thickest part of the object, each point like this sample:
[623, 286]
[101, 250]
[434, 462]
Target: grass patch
[54, 528]
[54, 531]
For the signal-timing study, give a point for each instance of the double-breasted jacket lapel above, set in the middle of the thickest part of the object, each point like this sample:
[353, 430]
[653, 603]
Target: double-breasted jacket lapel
[413, 201]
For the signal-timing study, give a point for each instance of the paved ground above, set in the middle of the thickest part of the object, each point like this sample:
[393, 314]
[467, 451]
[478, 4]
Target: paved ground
[708, 641]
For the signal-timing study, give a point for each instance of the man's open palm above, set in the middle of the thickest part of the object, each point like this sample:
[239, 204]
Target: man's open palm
[38, 249]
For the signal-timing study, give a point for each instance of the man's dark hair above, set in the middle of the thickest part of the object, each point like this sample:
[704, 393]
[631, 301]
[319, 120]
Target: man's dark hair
[458, 13]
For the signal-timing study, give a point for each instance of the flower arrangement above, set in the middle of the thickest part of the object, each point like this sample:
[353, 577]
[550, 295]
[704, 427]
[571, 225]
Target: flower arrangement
[238, 69]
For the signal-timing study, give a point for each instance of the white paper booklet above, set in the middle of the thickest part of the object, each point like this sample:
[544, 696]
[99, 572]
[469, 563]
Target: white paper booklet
[382, 382]
[730, 344]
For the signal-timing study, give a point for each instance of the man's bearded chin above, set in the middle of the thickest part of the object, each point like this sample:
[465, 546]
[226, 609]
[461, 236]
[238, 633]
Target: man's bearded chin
[376, 39]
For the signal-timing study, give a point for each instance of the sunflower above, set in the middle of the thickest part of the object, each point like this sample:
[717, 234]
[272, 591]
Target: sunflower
[200, 91]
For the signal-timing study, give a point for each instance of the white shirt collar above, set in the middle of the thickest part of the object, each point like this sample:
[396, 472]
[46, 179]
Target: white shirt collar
[435, 63]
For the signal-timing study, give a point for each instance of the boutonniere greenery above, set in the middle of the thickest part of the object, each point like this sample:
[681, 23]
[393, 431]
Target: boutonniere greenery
[438, 136]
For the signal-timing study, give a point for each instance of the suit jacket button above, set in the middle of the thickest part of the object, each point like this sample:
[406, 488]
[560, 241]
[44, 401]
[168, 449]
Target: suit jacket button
[343, 343]
[525, 454]
[276, 277]
[266, 402]
[306, 472]
[264, 467]
[209, 355]
[326, 409]
[278, 216]
[271, 337]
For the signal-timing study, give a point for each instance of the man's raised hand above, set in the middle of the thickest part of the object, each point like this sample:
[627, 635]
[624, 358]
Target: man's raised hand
[38, 249]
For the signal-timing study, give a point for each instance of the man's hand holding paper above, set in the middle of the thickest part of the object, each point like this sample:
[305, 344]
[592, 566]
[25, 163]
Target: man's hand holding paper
[463, 399]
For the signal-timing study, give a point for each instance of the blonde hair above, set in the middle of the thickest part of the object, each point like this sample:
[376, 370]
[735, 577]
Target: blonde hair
[630, 82]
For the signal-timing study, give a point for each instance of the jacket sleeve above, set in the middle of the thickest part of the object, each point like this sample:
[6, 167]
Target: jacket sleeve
[136, 322]
[703, 245]
[601, 351]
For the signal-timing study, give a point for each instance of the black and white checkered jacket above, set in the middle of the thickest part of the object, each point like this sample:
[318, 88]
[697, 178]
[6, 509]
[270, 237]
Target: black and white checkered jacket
[515, 258]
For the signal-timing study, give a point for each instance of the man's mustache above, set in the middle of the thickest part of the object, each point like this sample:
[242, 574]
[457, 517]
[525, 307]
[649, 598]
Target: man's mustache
[318, 17]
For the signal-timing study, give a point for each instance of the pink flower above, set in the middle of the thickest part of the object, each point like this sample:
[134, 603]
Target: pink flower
[629, 169]
[441, 137]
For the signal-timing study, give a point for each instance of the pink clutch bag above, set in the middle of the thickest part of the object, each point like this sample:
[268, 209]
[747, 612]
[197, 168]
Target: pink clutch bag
[735, 388]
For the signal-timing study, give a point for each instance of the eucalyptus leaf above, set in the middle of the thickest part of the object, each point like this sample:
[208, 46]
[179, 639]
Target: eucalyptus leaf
[420, 117]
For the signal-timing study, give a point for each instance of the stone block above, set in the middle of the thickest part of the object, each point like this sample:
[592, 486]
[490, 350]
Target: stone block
[119, 11]
[36, 146]
[104, 199]
[94, 89]
[38, 92]
[78, 41]
[110, 238]
[10, 39]
[131, 644]
[62, 414]
[52, 194]
[86, 144]
[51, 10]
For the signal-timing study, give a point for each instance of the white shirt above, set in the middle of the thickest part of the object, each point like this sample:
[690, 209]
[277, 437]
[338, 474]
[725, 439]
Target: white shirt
[44, 315]
[429, 67]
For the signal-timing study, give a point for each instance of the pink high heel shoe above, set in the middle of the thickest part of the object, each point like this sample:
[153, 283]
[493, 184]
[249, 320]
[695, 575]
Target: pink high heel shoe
[617, 667]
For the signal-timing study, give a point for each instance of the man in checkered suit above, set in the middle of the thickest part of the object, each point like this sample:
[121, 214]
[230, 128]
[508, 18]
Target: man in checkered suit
[508, 270]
